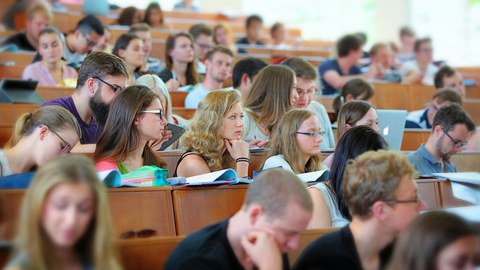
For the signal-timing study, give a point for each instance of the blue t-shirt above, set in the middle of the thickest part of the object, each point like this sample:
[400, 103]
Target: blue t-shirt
[332, 64]
[90, 132]
[426, 164]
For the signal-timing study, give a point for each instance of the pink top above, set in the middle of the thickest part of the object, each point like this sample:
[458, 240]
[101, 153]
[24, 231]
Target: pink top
[38, 72]
[105, 165]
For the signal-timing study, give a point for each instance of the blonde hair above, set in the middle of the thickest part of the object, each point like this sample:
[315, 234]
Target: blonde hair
[39, 8]
[351, 113]
[284, 142]
[95, 246]
[155, 84]
[55, 118]
[206, 126]
[374, 176]
[270, 95]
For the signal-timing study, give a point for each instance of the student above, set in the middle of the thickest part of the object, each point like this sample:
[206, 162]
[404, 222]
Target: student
[154, 17]
[278, 32]
[272, 94]
[38, 17]
[295, 144]
[356, 89]
[180, 60]
[329, 205]
[150, 64]
[202, 37]
[407, 45]
[381, 55]
[101, 77]
[451, 129]
[244, 72]
[64, 220]
[129, 47]
[103, 44]
[129, 16]
[383, 200]
[437, 240]
[51, 70]
[276, 210]
[38, 137]
[449, 78]
[307, 84]
[421, 69]
[136, 117]
[223, 35]
[218, 64]
[253, 27]
[221, 114]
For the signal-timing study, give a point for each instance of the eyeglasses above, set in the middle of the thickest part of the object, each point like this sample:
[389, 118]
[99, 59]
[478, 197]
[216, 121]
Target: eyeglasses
[115, 88]
[139, 234]
[158, 112]
[67, 147]
[90, 43]
[308, 92]
[312, 134]
[456, 143]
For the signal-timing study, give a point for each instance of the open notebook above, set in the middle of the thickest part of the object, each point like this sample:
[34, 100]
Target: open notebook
[227, 176]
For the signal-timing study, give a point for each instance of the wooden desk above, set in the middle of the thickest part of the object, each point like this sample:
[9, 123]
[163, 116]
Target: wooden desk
[49, 93]
[9, 113]
[19, 58]
[307, 237]
[178, 98]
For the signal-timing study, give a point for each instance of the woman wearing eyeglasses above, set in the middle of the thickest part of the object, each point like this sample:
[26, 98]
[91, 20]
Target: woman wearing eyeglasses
[135, 118]
[129, 47]
[38, 137]
[295, 144]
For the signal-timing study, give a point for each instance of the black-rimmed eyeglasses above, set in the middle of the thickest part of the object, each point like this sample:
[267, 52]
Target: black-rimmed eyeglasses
[115, 88]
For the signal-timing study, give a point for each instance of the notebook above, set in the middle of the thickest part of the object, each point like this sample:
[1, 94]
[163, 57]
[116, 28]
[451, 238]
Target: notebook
[392, 126]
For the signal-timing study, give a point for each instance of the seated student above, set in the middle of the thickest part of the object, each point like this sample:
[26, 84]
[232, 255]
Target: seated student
[307, 84]
[150, 64]
[356, 89]
[38, 137]
[130, 16]
[136, 117]
[39, 16]
[272, 94]
[221, 114]
[424, 118]
[51, 70]
[336, 72]
[103, 44]
[329, 205]
[278, 32]
[218, 62]
[296, 142]
[202, 39]
[87, 33]
[437, 240]
[383, 199]
[101, 77]
[276, 210]
[129, 47]
[407, 45]
[244, 72]
[154, 17]
[451, 129]
[253, 27]
[381, 55]
[449, 78]
[64, 220]
[421, 70]
[180, 61]
[223, 35]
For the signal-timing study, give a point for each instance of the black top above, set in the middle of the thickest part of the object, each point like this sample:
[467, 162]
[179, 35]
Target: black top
[244, 41]
[336, 250]
[165, 75]
[207, 249]
[187, 153]
[21, 41]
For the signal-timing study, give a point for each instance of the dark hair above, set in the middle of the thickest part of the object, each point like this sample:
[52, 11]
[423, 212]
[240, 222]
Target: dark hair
[448, 95]
[346, 44]
[445, 71]
[358, 88]
[419, 42]
[406, 31]
[250, 66]
[377, 46]
[353, 143]
[120, 137]
[419, 246]
[362, 37]
[275, 27]
[302, 68]
[122, 42]
[139, 27]
[191, 73]
[450, 115]
[100, 64]
[148, 12]
[200, 29]
[220, 49]
[127, 15]
[90, 23]
[252, 18]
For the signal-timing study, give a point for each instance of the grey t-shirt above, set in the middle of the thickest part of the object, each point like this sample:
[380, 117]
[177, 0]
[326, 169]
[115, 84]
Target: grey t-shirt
[4, 167]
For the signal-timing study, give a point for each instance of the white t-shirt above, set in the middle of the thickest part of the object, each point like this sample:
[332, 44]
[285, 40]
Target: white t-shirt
[330, 199]
[429, 75]
[321, 113]
[251, 130]
[197, 95]
[277, 161]
[4, 167]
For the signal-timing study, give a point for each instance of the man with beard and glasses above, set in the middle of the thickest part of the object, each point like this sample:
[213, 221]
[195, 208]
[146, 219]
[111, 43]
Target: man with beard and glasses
[101, 78]
[451, 129]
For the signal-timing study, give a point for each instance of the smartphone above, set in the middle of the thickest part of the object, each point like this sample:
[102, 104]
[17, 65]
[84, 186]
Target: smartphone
[177, 132]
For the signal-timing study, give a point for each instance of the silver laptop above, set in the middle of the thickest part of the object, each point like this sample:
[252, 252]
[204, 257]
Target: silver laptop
[392, 126]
